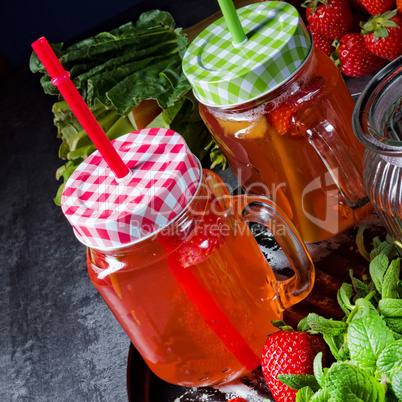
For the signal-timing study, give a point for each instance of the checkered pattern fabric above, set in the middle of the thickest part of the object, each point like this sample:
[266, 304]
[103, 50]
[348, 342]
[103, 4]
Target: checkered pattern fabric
[224, 75]
[106, 214]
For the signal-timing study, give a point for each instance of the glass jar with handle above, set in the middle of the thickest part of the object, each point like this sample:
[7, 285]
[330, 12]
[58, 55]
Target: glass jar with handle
[281, 113]
[171, 253]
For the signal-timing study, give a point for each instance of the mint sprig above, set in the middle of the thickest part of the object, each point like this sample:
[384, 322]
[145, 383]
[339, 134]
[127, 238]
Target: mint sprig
[367, 342]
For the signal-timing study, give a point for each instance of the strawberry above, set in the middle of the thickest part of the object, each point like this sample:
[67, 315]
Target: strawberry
[202, 237]
[359, 18]
[237, 400]
[375, 7]
[383, 35]
[289, 352]
[321, 42]
[357, 5]
[280, 117]
[399, 6]
[331, 18]
[354, 59]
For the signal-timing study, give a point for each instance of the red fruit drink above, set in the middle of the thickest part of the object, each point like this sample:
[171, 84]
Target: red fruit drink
[267, 143]
[150, 289]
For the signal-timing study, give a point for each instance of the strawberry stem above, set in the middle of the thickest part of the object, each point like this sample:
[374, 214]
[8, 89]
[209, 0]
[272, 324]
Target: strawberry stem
[378, 24]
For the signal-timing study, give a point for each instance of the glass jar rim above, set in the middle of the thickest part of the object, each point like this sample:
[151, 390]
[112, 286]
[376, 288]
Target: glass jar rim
[362, 119]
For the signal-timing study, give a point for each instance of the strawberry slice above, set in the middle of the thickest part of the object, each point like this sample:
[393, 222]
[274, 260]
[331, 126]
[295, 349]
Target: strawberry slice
[281, 117]
[201, 238]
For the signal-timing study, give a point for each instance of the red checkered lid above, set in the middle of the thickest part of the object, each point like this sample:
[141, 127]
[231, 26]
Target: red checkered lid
[107, 214]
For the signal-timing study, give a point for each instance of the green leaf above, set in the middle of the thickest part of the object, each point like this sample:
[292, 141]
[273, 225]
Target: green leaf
[390, 358]
[318, 371]
[336, 345]
[299, 381]
[325, 326]
[217, 157]
[346, 382]
[395, 324]
[361, 288]
[321, 396]
[303, 326]
[390, 280]
[397, 384]
[343, 296]
[391, 307]
[360, 243]
[378, 267]
[304, 394]
[367, 336]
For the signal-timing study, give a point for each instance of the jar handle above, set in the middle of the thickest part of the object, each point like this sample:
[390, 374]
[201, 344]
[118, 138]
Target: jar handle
[335, 155]
[262, 210]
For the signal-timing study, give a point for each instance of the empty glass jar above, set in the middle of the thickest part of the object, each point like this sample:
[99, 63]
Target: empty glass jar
[377, 123]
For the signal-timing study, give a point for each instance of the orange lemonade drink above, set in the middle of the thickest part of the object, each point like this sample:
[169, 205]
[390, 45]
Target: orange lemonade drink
[268, 145]
[195, 301]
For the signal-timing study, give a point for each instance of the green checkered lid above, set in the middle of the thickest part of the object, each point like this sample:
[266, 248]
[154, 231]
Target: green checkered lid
[225, 74]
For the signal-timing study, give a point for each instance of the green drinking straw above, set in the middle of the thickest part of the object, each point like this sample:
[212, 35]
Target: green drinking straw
[233, 22]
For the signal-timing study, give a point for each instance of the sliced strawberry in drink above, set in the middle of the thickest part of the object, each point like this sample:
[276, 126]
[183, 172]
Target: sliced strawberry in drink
[196, 244]
[280, 118]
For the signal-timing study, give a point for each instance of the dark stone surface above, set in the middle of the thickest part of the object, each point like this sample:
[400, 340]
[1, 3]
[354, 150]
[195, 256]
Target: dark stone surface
[58, 339]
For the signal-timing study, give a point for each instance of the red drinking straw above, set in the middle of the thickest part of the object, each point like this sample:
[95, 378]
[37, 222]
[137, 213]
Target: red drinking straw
[61, 78]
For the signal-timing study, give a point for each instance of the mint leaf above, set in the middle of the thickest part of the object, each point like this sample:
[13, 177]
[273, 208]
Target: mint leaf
[299, 381]
[304, 395]
[367, 336]
[343, 296]
[320, 396]
[348, 383]
[391, 310]
[325, 326]
[336, 345]
[318, 372]
[382, 248]
[377, 268]
[391, 307]
[395, 324]
[361, 289]
[360, 243]
[397, 384]
[390, 280]
[390, 358]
